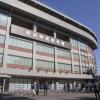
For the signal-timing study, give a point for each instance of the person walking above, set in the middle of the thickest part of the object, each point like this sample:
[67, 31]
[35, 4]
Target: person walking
[34, 88]
[96, 90]
[68, 88]
[46, 87]
[37, 87]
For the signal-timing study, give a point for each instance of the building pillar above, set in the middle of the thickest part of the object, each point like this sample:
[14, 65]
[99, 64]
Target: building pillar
[34, 56]
[6, 42]
[72, 61]
[80, 64]
[88, 58]
[34, 49]
[55, 55]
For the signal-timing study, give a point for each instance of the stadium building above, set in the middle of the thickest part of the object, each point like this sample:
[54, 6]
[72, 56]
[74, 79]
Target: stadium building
[40, 43]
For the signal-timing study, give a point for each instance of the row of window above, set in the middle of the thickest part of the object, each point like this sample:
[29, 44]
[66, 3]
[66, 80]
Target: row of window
[20, 84]
[44, 48]
[44, 64]
[41, 63]
[3, 20]
[64, 66]
[65, 53]
[19, 60]
[20, 43]
[40, 47]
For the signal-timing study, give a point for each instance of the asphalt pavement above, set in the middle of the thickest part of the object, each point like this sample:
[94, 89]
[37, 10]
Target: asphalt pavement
[67, 96]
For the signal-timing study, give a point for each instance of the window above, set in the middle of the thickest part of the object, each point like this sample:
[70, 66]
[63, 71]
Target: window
[3, 19]
[83, 46]
[45, 48]
[44, 64]
[20, 43]
[20, 83]
[91, 60]
[64, 66]
[61, 52]
[74, 43]
[85, 69]
[76, 56]
[84, 59]
[2, 39]
[77, 69]
[19, 60]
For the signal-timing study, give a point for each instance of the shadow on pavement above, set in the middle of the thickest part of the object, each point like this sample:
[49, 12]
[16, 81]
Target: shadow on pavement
[86, 98]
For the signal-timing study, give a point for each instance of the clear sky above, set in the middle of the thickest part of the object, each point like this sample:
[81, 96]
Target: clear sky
[85, 11]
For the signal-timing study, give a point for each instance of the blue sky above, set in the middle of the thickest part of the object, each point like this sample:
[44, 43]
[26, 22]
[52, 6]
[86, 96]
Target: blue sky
[85, 11]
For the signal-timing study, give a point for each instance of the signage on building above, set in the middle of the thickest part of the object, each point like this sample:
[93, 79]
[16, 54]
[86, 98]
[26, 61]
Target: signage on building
[40, 37]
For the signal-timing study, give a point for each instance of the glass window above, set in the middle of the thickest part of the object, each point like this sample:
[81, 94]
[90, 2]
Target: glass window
[2, 39]
[83, 46]
[45, 48]
[44, 64]
[62, 52]
[64, 66]
[20, 43]
[74, 42]
[19, 60]
[76, 69]
[82, 58]
[76, 56]
[3, 19]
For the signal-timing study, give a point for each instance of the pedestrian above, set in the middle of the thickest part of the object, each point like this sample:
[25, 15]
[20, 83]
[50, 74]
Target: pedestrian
[96, 90]
[37, 87]
[76, 87]
[90, 87]
[34, 88]
[46, 87]
[86, 87]
[65, 88]
[82, 86]
[68, 88]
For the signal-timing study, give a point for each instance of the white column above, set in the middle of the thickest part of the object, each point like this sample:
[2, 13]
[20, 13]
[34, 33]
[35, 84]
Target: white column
[55, 54]
[72, 59]
[34, 49]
